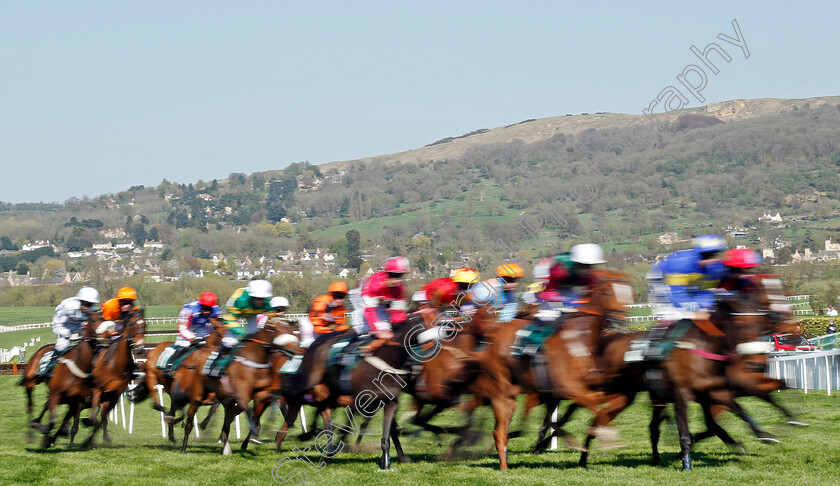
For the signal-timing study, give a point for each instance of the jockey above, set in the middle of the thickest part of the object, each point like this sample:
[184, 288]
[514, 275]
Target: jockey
[541, 274]
[246, 303]
[440, 293]
[70, 318]
[466, 278]
[194, 325]
[570, 273]
[500, 292]
[738, 263]
[278, 309]
[327, 313]
[120, 307]
[383, 297]
[683, 284]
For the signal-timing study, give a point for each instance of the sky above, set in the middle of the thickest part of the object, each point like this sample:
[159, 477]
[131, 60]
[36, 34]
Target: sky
[96, 97]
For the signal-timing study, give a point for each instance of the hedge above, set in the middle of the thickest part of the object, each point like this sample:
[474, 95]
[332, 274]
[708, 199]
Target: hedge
[815, 326]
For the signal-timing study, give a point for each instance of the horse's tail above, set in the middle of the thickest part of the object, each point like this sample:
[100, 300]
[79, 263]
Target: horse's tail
[140, 393]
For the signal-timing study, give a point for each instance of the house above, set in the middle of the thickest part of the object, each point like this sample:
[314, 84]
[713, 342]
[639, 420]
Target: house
[36, 245]
[124, 246]
[205, 196]
[771, 218]
[769, 253]
[829, 246]
[344, 273]
[218, 258]
[291, 271]
[102, 246]
[668, 238]
[329, 258]
[286, 256]
[157, 245]
[320, 270]
[112, 234]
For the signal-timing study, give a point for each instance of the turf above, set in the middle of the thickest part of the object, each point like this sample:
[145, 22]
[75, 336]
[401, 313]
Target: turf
[805, 455]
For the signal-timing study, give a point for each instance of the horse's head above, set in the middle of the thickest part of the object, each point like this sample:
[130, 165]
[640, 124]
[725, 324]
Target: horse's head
[134, 329]
[770, 298]
[610, 294]
[281, 334]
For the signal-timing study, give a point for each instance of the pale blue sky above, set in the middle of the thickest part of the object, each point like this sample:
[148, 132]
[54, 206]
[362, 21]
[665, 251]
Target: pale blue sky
[100, 96]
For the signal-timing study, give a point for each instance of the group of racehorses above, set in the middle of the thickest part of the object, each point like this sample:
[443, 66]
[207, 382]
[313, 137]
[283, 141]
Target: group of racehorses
[583, 360]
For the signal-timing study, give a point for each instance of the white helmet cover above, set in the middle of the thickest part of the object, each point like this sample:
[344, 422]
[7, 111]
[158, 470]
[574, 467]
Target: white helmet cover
[260, 289]
[587, 254]
[279, 302]
[88, 294]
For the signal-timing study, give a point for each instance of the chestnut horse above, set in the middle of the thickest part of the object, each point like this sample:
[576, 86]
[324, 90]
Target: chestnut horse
[155, 377]
[248, 377]
[113, 369]
[571, 360]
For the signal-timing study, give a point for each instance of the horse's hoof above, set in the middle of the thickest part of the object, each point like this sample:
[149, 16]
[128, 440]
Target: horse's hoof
[404, 460]
[575, 445]
[254, 440]
[769, 438]
[738, 449]
[63, 431]
[87, 422]
[798, 423]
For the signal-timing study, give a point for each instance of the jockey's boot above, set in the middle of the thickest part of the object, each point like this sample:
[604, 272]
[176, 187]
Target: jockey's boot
[175, 361]
[48, 362]
[218, 364]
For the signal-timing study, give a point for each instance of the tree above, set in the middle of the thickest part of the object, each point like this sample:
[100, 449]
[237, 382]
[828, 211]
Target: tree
[783, 256]
[6, 243]
[354, 255]
[153, 233]
[22, 268]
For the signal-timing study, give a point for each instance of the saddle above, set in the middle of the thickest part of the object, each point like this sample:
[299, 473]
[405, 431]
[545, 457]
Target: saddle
[344, 356]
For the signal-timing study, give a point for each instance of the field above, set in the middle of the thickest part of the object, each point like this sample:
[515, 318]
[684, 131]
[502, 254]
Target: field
[805, 456]
[13, 316]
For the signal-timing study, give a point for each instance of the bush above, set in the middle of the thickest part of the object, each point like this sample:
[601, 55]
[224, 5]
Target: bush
[814, 326]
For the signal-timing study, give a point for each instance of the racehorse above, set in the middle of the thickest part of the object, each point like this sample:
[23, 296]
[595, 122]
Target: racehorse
[570, 366]
[113, 369]
[248, 377]
[69, 383]
[154, 377]
[376, 382]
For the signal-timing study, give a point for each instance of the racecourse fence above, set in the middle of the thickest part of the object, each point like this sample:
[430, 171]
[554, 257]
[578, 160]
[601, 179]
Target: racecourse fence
[807, 370]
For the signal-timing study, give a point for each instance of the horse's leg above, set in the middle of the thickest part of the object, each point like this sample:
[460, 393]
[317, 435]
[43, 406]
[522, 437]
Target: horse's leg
[288, 421]
[422, 420]
[230, 413]
[362, 432]
[94, 408]
[396, 430]
[30, 385]
[259, 408]
[715, 428]
[63, 428]
[724, 397]
[110, 404]
[532, 400]
[503, 408]
[188, 425]
[655, 422]
[606, 415]
[204, 423]
[791, 419]
[52, 404]
[390, 412]
[75, 428]
[681, 416]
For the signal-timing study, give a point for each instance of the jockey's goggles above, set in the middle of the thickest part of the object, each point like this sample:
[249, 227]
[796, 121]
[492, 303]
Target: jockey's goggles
[206, 308]
[510, 279]
[707, 255]
[126, 302]
[85, 303]
[395, 275]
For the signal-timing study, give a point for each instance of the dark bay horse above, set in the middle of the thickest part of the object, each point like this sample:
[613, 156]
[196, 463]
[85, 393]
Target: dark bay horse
[375, 384]
[69, 384]
[113, 369]
[155, 377]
